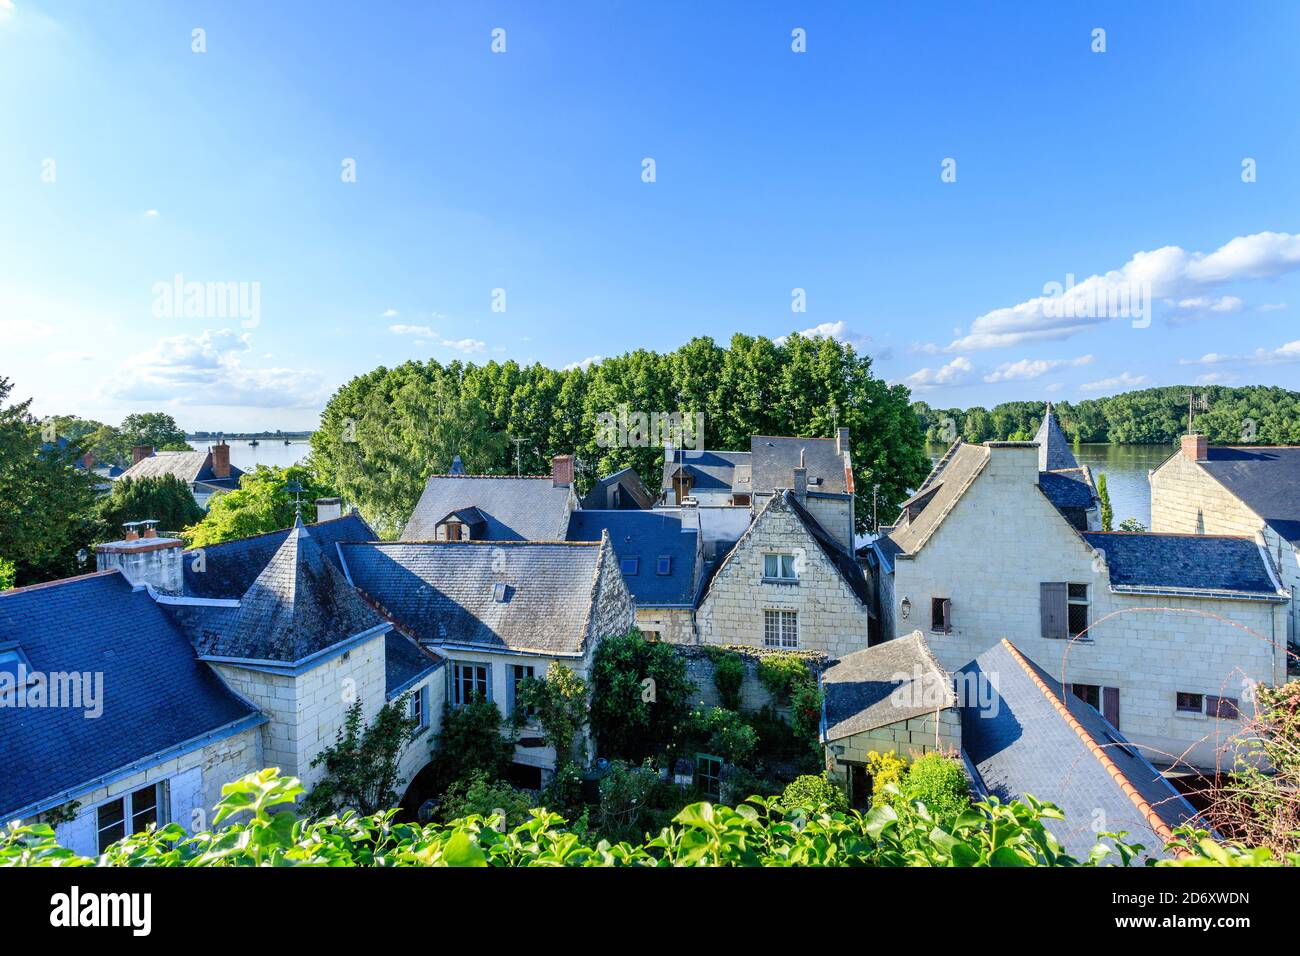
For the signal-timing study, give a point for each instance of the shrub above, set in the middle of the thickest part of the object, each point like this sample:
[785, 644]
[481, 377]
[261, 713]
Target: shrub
[361, 766]
[640, 696]
[814, 793]
[724, 733]
[940, 783]
[480, 796]
[885, 769]
[781, 673]
[634, 802]
[728, 678]
[560, 702]
[470, 742]
[806, 714]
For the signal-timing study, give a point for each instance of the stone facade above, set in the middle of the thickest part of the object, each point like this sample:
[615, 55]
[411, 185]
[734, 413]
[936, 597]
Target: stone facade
[1187, 499]
[1003, 538]
[754, 695]
[191, 786]
[909, 739]
[675, 625]
[831, 619]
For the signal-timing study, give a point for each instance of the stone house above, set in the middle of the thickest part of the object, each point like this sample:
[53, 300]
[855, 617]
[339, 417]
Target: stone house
[206, 472]
[1253, 490]
[460, 507]
[498, 612]
[787, 583]
[1163, 634]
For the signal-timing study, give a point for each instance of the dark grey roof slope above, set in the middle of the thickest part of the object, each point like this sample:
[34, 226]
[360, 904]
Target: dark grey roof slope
[1184, 561]
[1020, 743]
[188, 466]
[631, 488]
[405, 662]
[964, 464]
[299, 605]
[646, 536]
[516, 509]
[1067, 489]
[442, 592]
[844, 562]
[891, 682]
[230, 568]
[1266, 479]
[713, 471]
[156, 695]
[774, 459]
[1053, 447]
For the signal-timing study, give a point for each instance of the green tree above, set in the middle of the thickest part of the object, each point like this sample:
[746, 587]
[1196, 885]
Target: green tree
[163, 498]
[640, 696]
[261, 503]
[153, 428]
[8, 573]
[473, 740]
[361, 767]
[559, 701]
[1103, 494]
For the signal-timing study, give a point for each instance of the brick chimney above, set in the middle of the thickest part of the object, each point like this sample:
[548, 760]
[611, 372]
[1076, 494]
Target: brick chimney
[562, 470]
[1196, 447]
[221, 460]
[140, 452]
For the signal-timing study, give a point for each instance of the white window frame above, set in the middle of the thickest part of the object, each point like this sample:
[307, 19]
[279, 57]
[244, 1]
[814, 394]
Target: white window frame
[419, 708]
[1085, 601]
[781, 620]
[130, 812]
[515, 678]
[786, 572]
[456, 681]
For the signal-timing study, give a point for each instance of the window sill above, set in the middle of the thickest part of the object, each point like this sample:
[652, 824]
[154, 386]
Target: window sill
[767, 580]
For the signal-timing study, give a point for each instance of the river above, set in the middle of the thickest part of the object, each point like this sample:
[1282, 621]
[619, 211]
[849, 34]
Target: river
[269, 451]
[1125, 467]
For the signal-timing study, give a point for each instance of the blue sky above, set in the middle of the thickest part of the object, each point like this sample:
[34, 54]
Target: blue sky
[129, 159]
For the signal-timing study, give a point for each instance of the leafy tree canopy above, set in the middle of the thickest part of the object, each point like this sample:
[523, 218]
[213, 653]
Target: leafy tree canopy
[262, 503]
[163, 498]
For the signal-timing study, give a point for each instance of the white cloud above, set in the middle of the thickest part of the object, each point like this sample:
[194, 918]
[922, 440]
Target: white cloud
[1122, 380]
[422, 331]
[1026, 370]
[151, 213]
[1203, 307]
[22, 331]
[1169, 272]
[388, 313]
[6, 10]
[1272, 307]
[955, 372]
[464, 345]
[1213, 378]
[584, 364]
[208, 369]
[1283, 354]
[839, 331]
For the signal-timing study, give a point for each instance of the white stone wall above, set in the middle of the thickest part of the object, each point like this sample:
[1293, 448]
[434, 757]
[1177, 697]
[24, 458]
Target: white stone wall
[831, 619]
[1004, 538]
[420, 750]
[908, 738]
[836, 516]
[1188, 500]
[672, 625]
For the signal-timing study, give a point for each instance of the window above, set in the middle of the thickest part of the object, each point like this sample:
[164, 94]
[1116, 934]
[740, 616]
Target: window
[419, 708]
[779, 567]
[1090, 694]
[499, 593]
[138, 809]
[1104, 700]
[940, 615]
[665, 565]
[708, 775]
[1225, 708]
[1188, 703]
[629, 566]
[780, 628]
[470, 681]
[1077, 608]
[453, 531]
[112, 822]
[144, 808]
[517, 674]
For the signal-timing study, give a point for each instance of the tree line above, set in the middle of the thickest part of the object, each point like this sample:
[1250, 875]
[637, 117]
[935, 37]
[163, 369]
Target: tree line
[1246, 415]
[383, 433]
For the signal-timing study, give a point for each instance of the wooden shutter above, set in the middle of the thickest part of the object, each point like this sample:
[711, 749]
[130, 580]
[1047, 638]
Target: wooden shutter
[1110, 705]
[1054, 609]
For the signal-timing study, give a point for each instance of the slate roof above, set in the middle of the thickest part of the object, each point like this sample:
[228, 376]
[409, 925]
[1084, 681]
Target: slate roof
[714, 471]
[231, 568]
[885, 684]
[646, 536]
[1184, 561]
[405, 662]
[1266, 479]
[774, 459]
[1020, 742]
[156, 695]
[1067, 489]
[441, 592]
[1053, 447]
[963, 465]
[188, 466]
[516, 509]
[299, 604]
[635, 494]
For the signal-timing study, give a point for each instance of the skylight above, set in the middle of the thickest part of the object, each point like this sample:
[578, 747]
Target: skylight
[499, 593]
[629, 566]
[665, 565]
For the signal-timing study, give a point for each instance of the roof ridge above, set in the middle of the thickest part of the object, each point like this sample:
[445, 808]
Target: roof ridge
[1175, 534]
[511, 477]
[471, 543]
[1126, 786]
[57, 581]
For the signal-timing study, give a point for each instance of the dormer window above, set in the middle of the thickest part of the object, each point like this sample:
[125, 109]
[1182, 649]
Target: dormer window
[453, 531]
[13, 666]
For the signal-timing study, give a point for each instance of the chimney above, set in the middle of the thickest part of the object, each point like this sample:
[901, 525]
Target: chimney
[562, 470]
[140, 452]
[149, 560]
[327, 509]
[88, 461]
[801, 484]
[1196, 447]
[221, 460]
[841, 440]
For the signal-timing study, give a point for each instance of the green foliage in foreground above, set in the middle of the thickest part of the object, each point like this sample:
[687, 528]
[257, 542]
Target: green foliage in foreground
[261, 830]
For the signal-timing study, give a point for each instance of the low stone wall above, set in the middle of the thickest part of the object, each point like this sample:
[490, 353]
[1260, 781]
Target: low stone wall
[753, 694]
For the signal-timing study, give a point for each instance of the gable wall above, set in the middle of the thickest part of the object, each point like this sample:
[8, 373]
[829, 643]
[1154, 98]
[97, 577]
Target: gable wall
[831, 620]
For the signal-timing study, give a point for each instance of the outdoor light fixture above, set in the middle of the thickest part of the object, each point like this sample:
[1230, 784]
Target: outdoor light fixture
[906, 608]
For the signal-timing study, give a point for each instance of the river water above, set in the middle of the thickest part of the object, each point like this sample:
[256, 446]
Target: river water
[269, 451]
[1125, 467]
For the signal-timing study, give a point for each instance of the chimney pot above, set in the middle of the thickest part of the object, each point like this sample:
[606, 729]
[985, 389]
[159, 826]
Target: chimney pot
[562, 470]
[1196, 447]
[221, 460]
[140, 452]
